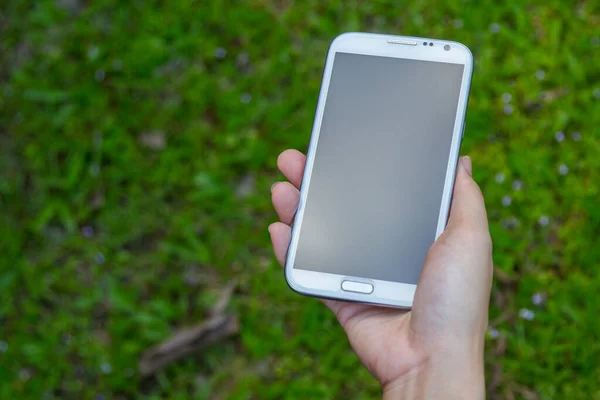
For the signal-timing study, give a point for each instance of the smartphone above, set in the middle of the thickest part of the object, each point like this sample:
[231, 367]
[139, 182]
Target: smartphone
[380, 167]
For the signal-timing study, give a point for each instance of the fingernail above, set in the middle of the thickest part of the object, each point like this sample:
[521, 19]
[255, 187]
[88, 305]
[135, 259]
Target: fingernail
[272, 186]
[466, 161]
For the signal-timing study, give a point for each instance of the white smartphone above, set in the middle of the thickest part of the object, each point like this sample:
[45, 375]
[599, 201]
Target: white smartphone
[380, 167]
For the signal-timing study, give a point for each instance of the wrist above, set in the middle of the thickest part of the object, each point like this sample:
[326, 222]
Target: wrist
[446, 375]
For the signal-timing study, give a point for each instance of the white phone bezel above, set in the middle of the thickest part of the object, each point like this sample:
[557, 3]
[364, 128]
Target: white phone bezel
[326, 285]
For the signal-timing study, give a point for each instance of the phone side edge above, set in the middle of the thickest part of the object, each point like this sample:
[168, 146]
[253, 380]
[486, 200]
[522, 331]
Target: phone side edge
[308, 166]
[458, 133]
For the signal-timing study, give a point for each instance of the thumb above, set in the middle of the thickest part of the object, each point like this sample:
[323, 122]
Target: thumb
[454, 289]
[467, 212]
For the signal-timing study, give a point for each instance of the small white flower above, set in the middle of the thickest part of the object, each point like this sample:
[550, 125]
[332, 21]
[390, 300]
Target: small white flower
[517, 185]
[538, 299]
[576, 136]
[99, 258]
[3, 346]
[563, 169]
[66, 338]
[220, 53]
[506, 97]
[526, 314]
[24, 374]
[500, 177]
[458, 23]
[506, 201]
[540, 74]
[245, 98]
[242, 60]
[93, 52]
[544, 220]
[99, 75]
[597, 93]
[508, 109]
[495, 28]
[493, 333]
[560, 136]
[105, 368]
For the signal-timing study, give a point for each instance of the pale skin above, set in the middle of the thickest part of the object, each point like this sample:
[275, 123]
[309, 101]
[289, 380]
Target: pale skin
[436, 349]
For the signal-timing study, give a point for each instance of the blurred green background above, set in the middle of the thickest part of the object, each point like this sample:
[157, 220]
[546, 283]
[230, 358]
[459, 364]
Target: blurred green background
[138, 143]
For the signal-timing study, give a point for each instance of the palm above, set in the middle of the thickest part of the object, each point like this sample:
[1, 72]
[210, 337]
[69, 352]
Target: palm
[391, 342]
[379, 336]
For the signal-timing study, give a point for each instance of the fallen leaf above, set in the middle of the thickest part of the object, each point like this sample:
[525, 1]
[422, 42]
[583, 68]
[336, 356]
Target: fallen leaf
[154, 140]
[191, 276]
[246, 186]
[97, 200]
[550, 95]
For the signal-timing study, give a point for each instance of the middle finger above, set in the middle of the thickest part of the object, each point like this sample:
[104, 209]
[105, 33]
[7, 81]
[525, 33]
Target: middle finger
[285, 199]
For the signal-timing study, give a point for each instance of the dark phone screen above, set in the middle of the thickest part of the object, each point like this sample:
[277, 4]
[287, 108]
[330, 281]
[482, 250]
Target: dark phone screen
[376, 187]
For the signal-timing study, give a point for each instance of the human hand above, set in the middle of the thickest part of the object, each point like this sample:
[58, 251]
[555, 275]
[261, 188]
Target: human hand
[436, 349]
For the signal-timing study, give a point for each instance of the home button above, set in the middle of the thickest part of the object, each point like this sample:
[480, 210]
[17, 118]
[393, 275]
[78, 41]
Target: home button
[357, 287]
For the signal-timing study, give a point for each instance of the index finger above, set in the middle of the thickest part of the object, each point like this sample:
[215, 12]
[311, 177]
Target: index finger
[291, 164]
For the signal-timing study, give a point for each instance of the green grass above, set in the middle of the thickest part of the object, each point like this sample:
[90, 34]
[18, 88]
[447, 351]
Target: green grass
[108, 244]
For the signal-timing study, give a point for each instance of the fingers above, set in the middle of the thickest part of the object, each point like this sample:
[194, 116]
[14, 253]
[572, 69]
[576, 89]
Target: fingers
[285, 199]
[468, 208]
[291, 164]
[281, 235]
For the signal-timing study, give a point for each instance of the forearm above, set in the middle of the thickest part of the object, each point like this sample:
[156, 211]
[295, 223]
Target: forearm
[447, 377]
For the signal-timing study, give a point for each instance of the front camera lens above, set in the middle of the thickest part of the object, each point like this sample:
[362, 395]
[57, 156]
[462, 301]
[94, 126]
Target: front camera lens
[431, 44]
[447, 47]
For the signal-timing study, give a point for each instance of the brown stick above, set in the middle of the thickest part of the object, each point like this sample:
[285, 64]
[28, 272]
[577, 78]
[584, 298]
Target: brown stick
[186, 342]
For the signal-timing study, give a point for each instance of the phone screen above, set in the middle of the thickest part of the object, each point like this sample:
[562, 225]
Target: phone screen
[376, 187]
